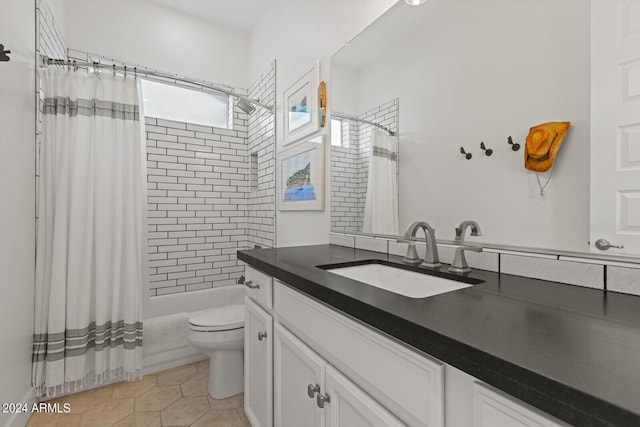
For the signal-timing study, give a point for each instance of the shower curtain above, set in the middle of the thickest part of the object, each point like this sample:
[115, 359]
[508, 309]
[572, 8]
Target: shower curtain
[381, 203]
[88, 307]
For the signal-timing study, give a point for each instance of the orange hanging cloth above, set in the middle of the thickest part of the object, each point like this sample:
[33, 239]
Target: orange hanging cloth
[322, 101]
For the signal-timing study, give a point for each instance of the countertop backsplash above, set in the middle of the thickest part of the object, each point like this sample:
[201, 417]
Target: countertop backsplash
[588, 272]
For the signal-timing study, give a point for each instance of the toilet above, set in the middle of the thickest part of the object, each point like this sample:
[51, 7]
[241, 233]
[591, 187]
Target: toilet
[219, 333]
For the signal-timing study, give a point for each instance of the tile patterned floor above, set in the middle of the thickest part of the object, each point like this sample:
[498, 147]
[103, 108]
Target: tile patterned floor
[176, 397]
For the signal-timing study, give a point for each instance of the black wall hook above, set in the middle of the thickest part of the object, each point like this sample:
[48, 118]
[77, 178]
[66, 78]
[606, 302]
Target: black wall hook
[466, 155]
[514, 147]
[487, 151]
[4, 57]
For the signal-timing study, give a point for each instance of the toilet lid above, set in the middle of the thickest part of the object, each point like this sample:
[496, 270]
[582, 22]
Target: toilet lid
[220, 318]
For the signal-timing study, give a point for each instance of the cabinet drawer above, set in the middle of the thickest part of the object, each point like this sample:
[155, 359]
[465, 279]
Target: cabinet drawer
[408, 384]
[259, 287]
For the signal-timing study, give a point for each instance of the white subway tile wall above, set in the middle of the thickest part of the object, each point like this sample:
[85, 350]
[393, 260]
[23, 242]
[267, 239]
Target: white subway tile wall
[350, 167]
[261, 211]
[202, 206]
[49, 42]
[198, 188]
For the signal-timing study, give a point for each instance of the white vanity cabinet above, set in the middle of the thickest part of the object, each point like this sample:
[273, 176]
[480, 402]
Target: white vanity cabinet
[307, 364]
[309, 392]
[494, 409]
[363, 368]
[258, 349]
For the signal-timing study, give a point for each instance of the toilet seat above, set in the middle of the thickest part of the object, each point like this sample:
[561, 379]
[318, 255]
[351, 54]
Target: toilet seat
[218, 319]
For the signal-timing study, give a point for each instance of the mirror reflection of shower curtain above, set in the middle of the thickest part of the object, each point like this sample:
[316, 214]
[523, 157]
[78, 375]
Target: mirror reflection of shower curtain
[381, 204]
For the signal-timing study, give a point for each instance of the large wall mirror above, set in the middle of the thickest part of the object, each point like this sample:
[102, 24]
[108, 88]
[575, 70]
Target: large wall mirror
[457, 73]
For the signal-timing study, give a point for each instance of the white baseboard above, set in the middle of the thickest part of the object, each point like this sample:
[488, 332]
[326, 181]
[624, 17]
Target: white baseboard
[21, 419]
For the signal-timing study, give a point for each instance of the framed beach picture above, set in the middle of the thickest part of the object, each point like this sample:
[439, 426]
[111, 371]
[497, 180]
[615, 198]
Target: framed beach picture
[300, 103]
[302, 177]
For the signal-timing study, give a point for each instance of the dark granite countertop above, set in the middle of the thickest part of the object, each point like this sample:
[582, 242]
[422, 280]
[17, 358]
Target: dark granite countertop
[570, 351]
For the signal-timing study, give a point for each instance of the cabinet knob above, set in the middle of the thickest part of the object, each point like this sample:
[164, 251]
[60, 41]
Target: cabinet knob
[312, 390]
[249, 284]
[322, 399]
[262, 335]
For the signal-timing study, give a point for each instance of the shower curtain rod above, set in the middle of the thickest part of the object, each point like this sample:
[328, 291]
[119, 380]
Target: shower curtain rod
[147, 72]
[356, 119]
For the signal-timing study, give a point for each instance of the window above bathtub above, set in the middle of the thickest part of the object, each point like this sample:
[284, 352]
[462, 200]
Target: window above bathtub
[171, 102]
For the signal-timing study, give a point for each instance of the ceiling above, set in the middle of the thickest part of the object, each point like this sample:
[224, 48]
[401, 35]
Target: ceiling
[239, 14]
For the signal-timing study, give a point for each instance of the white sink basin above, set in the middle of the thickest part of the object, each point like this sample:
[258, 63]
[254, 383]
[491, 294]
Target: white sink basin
[400, 281]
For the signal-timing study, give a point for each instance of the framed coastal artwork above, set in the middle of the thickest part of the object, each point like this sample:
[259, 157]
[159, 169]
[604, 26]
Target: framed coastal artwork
[302, 177]
[300, 103]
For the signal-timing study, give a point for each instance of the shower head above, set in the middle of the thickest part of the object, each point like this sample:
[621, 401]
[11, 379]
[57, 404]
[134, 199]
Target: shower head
[245, 106]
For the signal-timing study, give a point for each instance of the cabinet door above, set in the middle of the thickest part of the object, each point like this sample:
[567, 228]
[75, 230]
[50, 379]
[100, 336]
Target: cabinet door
[349, 406]
[493, 409]
[298, 377]
[258, 365]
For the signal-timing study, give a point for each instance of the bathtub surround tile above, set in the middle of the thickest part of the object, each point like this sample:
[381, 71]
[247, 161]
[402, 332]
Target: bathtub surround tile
[623, 279]
[213, 191]
[260, 160]
[188, 196]
[160, 406]
[573, 273]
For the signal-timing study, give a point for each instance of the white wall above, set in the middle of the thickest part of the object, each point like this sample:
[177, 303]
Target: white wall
[480, 71]
[17, 181]
[145, 33]
[297, 34]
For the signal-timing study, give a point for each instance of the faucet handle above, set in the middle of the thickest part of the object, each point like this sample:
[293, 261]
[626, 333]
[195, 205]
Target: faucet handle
[459, 264]
[412, 254]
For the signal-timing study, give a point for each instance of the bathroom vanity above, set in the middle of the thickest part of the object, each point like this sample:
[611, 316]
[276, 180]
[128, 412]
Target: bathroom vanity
[322, 349]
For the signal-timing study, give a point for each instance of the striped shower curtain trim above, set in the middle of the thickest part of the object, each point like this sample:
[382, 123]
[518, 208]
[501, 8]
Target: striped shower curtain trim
[76, 342]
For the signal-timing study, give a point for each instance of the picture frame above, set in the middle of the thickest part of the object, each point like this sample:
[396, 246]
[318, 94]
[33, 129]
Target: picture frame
[301, 176]
[300, 109]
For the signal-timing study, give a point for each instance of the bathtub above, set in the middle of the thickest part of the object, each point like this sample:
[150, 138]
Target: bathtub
[165, 327]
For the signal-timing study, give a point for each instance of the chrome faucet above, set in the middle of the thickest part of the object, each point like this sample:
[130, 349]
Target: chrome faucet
[459, 264]
[431, 256]
[475, 229]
